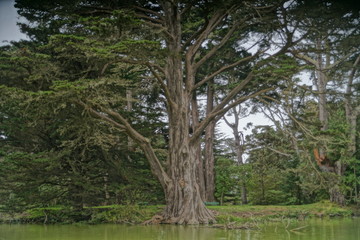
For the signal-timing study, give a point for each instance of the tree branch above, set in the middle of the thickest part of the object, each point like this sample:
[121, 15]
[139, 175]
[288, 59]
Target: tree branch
[193, 36]
[352, 74]
[99, 115]
[149, 11]
[217, 47]
[143, 142]
[163, 29]
[222, 69]
[278, 152]
[224, 106]
[170, 102]
[143, 16]
[212, 24]
[339, 61]
[305, 58]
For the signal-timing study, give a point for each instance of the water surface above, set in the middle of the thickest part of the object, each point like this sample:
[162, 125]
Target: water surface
[317, 229]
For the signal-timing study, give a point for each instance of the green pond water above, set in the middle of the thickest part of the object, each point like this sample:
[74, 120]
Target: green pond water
[333, 229]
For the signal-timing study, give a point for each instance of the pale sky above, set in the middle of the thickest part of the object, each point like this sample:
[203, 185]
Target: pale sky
[8, 17]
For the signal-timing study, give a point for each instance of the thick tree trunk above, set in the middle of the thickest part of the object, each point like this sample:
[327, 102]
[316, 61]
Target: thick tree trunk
[184, 204]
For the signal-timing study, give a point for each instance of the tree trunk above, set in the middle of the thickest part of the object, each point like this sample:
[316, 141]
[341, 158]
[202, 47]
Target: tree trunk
[184, 204]
[239, 144]
[262, 189]
[243, 193]
[338, 168]
[209, 158]
[209, 163]
[129, 107]
[200, 176]
[336, 195]
[352, 112]
[106, 189]
[183, 196]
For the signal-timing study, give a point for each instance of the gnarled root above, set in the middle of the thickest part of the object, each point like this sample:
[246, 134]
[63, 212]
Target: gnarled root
[157, 219]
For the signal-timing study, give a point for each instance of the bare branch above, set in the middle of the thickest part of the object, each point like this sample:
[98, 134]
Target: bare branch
[235, 91]
[105, 67]
[243, 99]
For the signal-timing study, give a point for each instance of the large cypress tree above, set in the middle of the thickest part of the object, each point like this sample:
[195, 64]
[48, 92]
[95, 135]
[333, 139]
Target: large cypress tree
[173, 41]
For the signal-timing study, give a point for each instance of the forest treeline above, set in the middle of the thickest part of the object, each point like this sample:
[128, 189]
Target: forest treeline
[119, 102]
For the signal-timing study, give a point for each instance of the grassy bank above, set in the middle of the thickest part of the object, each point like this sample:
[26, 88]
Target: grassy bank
[248, 216]
[225, 215]
[92, 215]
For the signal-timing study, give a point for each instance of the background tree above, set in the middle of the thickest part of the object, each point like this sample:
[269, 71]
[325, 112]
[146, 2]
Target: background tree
[326, 49]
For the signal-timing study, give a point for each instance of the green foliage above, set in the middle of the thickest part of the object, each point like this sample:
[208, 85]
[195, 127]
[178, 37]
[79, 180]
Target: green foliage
[225, 179]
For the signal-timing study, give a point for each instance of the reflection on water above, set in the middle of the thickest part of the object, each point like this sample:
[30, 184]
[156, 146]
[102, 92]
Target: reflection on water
[317, 229]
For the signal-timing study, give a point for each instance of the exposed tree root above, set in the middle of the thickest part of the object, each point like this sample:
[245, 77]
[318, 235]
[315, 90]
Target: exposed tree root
[187, 219]
[157, 219]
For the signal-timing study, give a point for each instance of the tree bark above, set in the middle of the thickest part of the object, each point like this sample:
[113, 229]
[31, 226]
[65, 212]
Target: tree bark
[129, 107]
[106, 189]
[321, 83]
[200, 176]
[209, 158]
[184, 203]
[243, 193]
[183, 196]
